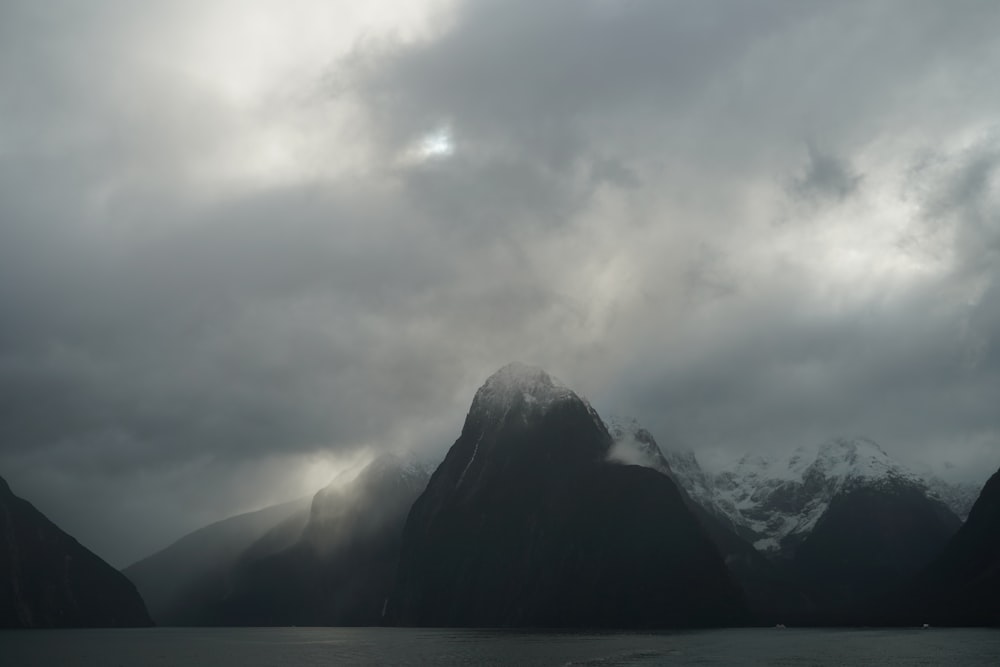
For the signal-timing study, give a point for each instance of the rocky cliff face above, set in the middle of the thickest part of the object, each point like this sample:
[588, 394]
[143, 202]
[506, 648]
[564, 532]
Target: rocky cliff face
[49, 580]
[526, 523]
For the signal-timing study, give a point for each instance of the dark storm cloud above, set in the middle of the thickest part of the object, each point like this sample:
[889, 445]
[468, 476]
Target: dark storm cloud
[825, 177]
[183, 328]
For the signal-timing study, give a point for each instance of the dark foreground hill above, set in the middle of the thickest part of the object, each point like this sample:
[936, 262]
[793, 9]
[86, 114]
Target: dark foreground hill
[962, 586]
[49, 580]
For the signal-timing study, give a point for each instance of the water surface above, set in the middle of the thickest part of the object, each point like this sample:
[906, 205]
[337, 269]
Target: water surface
[273, 647]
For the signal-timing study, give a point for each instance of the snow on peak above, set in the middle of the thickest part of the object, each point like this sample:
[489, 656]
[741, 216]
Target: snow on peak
[525, 376]
[619, 425]
[519, 382]
[634, 445]
[857, 459]
[783, 498]
[841, 459]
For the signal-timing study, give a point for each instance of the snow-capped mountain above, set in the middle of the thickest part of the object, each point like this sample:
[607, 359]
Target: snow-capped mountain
[516, 381]
[771, 592]
[958, 496]
[781, 500]
[525, 391]
[843, 519]
[776, 502]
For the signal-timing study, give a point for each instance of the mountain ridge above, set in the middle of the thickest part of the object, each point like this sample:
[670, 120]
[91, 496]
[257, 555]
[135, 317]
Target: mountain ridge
[526, 524]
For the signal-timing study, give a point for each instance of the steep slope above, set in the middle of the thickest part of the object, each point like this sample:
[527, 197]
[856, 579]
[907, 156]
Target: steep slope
[869, 540]
[47, 579]
[958, 496]
[181, 581]
[772, 593]
[636, 445]
[962, 586]
[341, 569]
[527, 524]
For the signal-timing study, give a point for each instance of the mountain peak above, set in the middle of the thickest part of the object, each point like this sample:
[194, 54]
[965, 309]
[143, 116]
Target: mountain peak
[857, 458]
[853, 446]
[518, 396]
[525, 524]
[781, 499]
[517, 376]
[518, 383]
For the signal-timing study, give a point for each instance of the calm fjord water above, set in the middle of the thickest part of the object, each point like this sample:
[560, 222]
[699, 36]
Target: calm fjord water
[273, 647]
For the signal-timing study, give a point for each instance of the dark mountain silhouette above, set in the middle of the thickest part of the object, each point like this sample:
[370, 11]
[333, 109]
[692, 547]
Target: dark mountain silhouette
[962, 585]
[526, 524]
[49, 580]
[772, 592]
[870, 540]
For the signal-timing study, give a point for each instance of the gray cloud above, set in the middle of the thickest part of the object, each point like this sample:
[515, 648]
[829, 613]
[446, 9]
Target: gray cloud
[207, 292]
[825, 177]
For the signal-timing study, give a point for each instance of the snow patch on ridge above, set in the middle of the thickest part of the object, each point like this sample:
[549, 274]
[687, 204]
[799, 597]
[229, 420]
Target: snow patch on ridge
[634, 445]
[772, 501]
[783, 499]
[475, 450]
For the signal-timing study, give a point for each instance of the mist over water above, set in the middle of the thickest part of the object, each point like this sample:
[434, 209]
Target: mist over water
[256, 647]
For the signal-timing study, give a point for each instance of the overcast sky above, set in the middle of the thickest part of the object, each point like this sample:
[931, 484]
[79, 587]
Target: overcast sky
[243, 240]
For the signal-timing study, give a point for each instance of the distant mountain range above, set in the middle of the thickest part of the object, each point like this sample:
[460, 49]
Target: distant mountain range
[329, 560]
[842, 520]
[543, 515]
[182, 583]
[777, 502]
